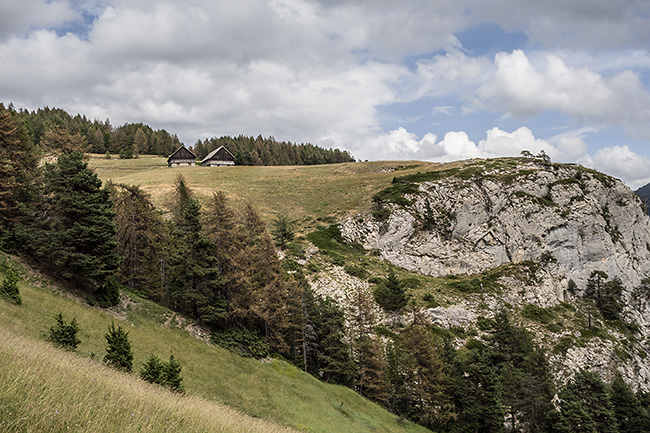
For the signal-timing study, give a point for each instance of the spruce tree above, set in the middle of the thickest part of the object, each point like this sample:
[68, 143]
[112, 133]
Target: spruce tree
[118, 349]
[282, 231]
[426, 384]
[196, 285]
[152, 370]
[171, 375]
[9, 287]
[142, 241]
[63, 334]
[71, 229]
[18, 166]
[334, 360]
[391, 294]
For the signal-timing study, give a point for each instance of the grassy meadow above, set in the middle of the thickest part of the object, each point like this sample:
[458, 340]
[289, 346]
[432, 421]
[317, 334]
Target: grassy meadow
[224, 392]
[302, 193]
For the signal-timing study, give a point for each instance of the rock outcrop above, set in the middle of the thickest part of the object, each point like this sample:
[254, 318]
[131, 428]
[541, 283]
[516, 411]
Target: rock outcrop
[486, 214]
[511, 213]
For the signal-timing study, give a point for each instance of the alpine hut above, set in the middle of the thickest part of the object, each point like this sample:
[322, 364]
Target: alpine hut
[182, 157]
[218, 158]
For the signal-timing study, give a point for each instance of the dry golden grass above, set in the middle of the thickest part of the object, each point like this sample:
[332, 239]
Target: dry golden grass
[302, 193]
[45, 389]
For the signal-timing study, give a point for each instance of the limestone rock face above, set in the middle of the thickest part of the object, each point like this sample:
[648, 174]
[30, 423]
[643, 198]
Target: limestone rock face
[587, 221]
[490, 214]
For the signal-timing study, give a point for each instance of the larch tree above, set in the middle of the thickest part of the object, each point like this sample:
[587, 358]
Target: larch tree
[425, 381]
[18, 166]
[141, 242]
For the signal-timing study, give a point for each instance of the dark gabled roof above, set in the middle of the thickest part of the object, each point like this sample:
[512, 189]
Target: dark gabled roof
[219, 154]
[181, 153]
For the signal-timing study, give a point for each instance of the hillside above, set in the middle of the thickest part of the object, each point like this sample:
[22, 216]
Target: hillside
[464, 294]
[224, 391]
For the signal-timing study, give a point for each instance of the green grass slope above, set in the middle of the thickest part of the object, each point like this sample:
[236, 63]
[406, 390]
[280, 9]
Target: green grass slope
[37, 380]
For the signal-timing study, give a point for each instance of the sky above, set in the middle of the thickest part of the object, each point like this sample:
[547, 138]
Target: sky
[435, 80]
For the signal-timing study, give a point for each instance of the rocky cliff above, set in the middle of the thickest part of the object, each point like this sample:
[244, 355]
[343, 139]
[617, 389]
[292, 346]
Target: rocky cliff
[481, 215]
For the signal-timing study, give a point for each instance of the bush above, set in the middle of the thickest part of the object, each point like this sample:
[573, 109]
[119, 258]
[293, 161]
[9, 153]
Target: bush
[537, 314]
[64, 335]
[242, 342]
[9, 287]
[118, 351]
[356, 271]
[430, 301]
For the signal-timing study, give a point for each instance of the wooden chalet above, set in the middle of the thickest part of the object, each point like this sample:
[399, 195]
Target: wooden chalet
[218, 158]
[182, 157]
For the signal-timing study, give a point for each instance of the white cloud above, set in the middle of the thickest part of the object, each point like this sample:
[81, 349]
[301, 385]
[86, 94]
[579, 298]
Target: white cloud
[524, 89]
[456, 145]
[19, 16]
[621, 162]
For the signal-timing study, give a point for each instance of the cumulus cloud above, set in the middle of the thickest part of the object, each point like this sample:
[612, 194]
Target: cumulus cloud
[523, 89]
[621, 162]
[618, 161]
[401, 144]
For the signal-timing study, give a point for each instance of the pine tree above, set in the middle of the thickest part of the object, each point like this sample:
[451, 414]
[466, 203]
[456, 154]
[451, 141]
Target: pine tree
[9, 287]
[63, 334]
[630, 415]
[585, 406]
[606, 294]
[476, 389]
[118, 349]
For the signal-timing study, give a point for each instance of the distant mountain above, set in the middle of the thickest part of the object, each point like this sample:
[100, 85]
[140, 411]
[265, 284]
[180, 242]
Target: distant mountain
[644, 194]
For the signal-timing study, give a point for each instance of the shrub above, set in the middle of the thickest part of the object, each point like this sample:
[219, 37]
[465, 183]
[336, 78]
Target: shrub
[430, 301]
[537, 314]
[9, 287]
[356, 271]
[242, 342]
[63, 334]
